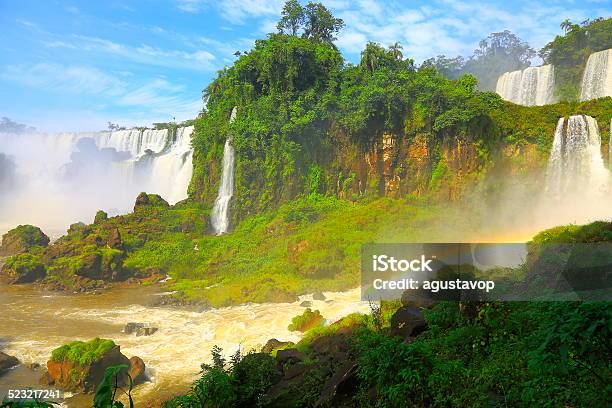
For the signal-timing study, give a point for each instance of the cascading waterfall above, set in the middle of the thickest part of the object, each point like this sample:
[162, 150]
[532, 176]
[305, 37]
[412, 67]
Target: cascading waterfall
[597, 77]
[68, 176]
[530, 86]
[220, 213]
[576, 167]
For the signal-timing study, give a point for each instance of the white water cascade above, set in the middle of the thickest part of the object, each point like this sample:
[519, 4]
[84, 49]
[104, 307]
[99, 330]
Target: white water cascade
[530, 86]
[66, 177]
[576, 167]
[219, 216]
[597, 77]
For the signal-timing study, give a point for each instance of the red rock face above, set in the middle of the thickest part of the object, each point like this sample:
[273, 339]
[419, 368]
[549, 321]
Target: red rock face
[84, 378]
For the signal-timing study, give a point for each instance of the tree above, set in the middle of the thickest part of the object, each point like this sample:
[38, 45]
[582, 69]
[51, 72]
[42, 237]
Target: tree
[292, 19]
[321, 25]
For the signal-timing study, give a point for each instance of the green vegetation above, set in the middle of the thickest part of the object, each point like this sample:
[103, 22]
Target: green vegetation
[569, 53]
[239, 382]
[82, 353]
[23, 238]
[306, 321]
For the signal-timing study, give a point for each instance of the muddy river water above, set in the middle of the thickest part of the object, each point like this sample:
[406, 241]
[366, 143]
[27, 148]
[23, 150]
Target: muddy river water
[34, 322]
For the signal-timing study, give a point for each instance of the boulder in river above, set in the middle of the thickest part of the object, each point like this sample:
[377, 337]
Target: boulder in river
[137, 370]
[79, 366]
[21, 239]
[140, 329]
[7, 362]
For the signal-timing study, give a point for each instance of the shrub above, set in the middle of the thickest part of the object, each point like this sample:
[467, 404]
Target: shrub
[306, 321]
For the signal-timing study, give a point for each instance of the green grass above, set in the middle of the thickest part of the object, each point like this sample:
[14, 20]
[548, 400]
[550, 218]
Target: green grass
[82, 353]
[310, 244]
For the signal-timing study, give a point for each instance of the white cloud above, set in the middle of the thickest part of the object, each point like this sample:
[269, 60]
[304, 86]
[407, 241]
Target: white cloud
[156, 96]
[64, 79]
[199, 60]
[234, 11]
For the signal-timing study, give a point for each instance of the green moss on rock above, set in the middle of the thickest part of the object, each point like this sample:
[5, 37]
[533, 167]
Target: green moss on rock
[23, 238]
[82, 353]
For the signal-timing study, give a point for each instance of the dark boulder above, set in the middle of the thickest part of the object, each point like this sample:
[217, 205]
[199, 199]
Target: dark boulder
[408, 321]
[274, 344]
[139, 329]
[306, 303]
[7, 362]
[21, 239]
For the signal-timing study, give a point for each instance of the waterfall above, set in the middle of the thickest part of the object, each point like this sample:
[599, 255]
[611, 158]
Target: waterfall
[66, 177]
[530, 86]
[597, 77]
[220, 213]
[575, 165]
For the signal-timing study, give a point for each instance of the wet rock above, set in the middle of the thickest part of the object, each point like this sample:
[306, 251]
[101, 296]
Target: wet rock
[318, 296]
[289, 356]
[408, 321]
[21, 239]
[137, 370]
[7, 362]
[75, 377]
[139, 329]
[306, 303]
[273, 344]
[34, 366]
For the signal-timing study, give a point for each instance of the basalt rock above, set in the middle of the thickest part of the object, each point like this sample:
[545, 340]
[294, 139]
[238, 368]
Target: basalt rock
[7, 362]
[22, 239]
[137, 370]
[75, 377]
[139, 329]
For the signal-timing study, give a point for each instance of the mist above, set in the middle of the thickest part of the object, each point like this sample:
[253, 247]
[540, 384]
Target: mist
[54, 180]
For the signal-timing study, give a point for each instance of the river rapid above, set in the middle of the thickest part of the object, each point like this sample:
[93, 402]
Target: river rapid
[34, 322]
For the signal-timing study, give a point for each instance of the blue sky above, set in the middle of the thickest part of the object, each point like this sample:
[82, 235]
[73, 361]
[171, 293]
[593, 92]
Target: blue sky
[74, 65]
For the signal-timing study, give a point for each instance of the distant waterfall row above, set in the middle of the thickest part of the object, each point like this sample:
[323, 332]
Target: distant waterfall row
[576, 167]
[531, 86]
[219, 216]
[66, 177]
[536, 85]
